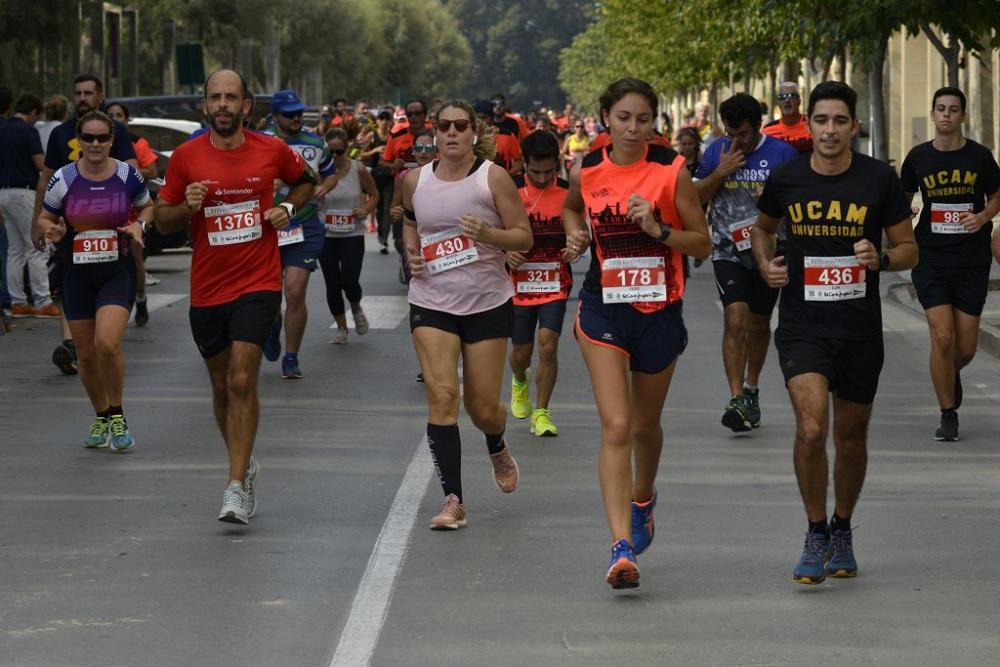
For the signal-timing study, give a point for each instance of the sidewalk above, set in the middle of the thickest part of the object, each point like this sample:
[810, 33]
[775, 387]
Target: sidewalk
[902, 292]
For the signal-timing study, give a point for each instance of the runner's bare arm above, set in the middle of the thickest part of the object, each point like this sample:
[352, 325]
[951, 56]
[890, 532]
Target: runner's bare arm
[301, 191]
[577, 234]
[516, 232]
[37, 233]
[172, 218]
[694, 239]
[411, 239]
[973, 222]
[369, 189]
[902, 251]
[763, 242]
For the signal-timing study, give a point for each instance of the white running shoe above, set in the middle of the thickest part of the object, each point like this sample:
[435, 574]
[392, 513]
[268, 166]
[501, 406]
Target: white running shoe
[234, 504]
[340, 338]
[360, 322]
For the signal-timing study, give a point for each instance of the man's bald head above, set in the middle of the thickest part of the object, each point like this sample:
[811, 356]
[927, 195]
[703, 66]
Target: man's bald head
[224, 77]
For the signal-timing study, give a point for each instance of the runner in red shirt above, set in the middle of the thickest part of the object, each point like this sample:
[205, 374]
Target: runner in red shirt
[222, 184]
[398, 152]
[791, 127]
[542, 282]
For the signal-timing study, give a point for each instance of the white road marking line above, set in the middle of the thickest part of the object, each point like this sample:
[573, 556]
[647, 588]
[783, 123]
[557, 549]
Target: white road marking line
[371, 602]
[383, 312]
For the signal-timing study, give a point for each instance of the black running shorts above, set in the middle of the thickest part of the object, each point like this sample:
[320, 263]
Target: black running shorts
[493, 323]
[851, 366]
[248, 319]
[738, 284]
[963, 287]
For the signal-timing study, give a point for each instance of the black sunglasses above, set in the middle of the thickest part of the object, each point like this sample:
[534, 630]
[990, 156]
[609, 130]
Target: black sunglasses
[787, 96]
[424, 148]
[338, 151]
[461, 124]
[291, 114]
[87, 138]
[411, 114]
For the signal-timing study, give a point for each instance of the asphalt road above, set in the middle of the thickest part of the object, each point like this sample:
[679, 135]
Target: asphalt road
[109, 559]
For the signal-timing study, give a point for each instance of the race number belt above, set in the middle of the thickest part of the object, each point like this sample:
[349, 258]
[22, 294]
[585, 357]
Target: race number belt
[290, 235]
[229, 224]
[945, 218]
[537, 278]
[634, 280]
[95, 247]
[447, 250]
[339, 222]
[740, 233]
[834, 279]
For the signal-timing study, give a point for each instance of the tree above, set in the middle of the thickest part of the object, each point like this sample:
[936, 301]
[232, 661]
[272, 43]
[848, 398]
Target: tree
[963, 29]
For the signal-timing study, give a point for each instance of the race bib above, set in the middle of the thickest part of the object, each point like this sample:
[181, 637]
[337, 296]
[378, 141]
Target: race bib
[339, 222]
[740, 233]
[945, 218]
[229, 224]
[290, 235]
[447, 250]
[537, 278]
[634, 280]
[95, 247]
[834, 279]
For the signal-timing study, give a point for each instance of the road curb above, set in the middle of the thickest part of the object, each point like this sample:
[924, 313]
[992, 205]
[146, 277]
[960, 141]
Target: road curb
[904, 294]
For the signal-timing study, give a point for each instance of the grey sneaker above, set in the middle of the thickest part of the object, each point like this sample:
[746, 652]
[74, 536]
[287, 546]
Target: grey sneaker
[251, 483]
[360, 322]
[340, 338]
[234, 504]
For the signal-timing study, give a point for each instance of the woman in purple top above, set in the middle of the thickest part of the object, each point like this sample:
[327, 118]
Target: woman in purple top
[94, 196]
[461, 212]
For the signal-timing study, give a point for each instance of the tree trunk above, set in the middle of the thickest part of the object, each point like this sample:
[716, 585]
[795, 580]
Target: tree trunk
[950, 53]
[879, 149]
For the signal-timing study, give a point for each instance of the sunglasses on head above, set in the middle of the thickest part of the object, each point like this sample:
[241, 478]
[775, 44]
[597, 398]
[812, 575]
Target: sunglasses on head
[291, 114]
[461, 124]
[411, 114]
[788, 96]
[424, 148]
[87, 138]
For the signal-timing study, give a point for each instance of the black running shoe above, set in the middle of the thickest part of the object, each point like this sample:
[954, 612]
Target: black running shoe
[64, 357]
[141, 313]
[948, 430]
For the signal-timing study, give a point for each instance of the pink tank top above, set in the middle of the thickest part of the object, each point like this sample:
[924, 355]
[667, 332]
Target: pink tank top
[460, 277]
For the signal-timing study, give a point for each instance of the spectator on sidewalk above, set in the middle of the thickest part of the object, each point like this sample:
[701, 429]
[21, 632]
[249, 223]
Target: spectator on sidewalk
[56, 111]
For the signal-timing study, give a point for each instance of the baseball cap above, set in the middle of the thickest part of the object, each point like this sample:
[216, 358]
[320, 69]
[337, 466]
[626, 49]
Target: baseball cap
[286, 101]
[483, 107]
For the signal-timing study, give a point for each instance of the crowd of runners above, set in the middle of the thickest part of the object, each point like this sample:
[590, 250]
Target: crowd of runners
[486, 212]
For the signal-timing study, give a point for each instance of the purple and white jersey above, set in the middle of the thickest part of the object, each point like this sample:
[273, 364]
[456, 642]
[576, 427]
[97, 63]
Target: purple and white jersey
[94, 205]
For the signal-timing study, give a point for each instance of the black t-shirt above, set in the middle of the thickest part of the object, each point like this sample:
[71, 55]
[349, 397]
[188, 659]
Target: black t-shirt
[64, 147]
[19, 143]
[951, 182]
[829, 295]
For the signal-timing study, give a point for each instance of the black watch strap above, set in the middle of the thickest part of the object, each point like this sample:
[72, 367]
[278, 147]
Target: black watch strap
[665, 231]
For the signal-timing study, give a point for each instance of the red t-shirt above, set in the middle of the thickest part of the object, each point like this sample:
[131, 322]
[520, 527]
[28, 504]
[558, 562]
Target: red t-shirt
[508, 150]
[235, 250]
[544, 276]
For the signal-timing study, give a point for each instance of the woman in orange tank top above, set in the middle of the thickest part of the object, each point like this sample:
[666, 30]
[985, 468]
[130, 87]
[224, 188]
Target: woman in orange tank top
[644, 215]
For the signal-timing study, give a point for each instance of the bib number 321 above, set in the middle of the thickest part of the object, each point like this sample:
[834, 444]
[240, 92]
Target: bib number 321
[447, 250]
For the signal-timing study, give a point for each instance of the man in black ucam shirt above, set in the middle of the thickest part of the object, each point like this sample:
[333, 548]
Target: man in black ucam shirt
[959, 182]
[835, 205]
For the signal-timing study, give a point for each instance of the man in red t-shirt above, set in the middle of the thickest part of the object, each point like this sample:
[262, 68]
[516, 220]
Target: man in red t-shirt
[222, 184]
[792, 127]
[508, 148]
[398, 152]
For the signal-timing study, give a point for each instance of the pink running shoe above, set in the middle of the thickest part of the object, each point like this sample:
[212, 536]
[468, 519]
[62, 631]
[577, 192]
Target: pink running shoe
[451, 516]
[505, 472]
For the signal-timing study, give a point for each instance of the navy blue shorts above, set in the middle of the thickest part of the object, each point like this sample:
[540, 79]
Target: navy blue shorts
[305, 255]
[87, 287]
[651, 341]
[545, 316]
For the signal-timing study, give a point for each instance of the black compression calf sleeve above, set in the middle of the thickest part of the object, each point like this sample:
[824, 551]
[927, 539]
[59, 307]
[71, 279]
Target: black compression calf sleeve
[495, 443]
[446, 448]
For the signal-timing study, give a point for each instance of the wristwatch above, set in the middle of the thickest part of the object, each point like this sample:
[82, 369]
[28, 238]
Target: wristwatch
[288, 206]
[665, 231]
[144, 224]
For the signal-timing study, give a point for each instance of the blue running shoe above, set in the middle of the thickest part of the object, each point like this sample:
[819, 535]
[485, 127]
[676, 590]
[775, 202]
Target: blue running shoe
[121, 439]
[842, 563]
[642, 524]
[99, 435]
[811, 568]
[272, 348]
[290, 368]
[623, 572]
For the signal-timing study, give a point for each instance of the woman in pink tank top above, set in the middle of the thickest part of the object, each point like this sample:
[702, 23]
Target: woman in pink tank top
[461, 212]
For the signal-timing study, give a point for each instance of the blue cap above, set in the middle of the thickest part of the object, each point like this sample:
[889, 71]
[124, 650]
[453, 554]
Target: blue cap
[483, 107]
[286, 101]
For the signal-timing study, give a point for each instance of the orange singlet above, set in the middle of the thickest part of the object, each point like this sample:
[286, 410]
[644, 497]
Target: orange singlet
[606, 188]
